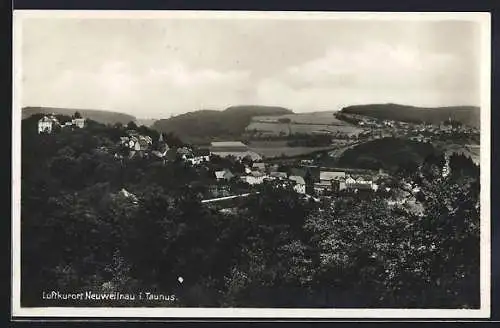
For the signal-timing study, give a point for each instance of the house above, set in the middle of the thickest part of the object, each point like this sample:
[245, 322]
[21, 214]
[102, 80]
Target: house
[278, 175]
[360, 183]
[184, 151]
[322, 187]
[196, 156]
[124, 141]
[255, 177]
[350, 180]
[224, 175]
[144, 142]
[310, 173]
[47, 123]
[300, 184]
[218, 190]
[78, 122]
[137, 142]
[127, 195]
[329, 176]
[259, 166]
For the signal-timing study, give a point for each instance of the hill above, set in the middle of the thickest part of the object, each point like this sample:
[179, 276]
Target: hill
[206, 125]
[468, 115]
[386, 153]
[101, 116]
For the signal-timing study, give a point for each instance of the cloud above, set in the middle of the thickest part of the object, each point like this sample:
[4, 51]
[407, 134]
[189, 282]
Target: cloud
[181, 76]
[368, 73]
[374, 72]
[157, 91]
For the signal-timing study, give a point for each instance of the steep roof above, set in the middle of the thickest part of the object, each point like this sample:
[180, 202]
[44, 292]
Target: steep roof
[331, 175]
[220, 174]
[224, 174]
[257, 174]
[297, 179]
[350, 180]
[49, 119]
[259, 165]
[277, 174]
[124, 193]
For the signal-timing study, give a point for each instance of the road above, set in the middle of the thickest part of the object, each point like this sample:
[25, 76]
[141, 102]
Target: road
[212, 200]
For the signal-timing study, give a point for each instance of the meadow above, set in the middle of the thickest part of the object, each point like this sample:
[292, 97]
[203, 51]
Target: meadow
[278, 148]
[303, 123]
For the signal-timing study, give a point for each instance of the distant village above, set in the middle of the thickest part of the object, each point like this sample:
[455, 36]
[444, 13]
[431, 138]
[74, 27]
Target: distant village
[422, 132]
[306, 179]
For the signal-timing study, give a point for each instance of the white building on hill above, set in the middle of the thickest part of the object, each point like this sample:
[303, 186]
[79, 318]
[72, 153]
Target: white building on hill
[78, 122]
[47, 123]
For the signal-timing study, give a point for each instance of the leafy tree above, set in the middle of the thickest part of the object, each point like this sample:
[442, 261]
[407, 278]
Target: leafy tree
[80, 230]
[131, 125]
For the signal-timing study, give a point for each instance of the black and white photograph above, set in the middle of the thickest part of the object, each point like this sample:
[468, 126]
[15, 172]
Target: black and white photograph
[251, 164]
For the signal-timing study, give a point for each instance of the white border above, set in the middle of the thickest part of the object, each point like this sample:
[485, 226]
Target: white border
[484, 19]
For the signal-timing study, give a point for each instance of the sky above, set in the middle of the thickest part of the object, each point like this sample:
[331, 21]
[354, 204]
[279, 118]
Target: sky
[155, 68]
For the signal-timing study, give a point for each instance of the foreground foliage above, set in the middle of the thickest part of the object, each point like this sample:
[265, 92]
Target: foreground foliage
[274, 249]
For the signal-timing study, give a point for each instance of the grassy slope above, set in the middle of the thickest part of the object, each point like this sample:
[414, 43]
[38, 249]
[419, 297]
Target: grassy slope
[387, 153]
[206, 125]
[302, 123]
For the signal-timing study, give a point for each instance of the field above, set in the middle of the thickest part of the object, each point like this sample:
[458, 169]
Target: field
[308, 118]
[271, 149]
[306, 123]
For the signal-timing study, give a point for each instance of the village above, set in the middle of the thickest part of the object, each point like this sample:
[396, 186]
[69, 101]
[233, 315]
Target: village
[422, 132]
[258, 164]
[233, 170]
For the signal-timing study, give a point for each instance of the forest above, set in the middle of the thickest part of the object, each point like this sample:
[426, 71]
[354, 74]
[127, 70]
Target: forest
[275, 249]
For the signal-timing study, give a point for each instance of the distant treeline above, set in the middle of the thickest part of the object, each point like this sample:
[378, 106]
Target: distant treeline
[204, 125]
[468, 115]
